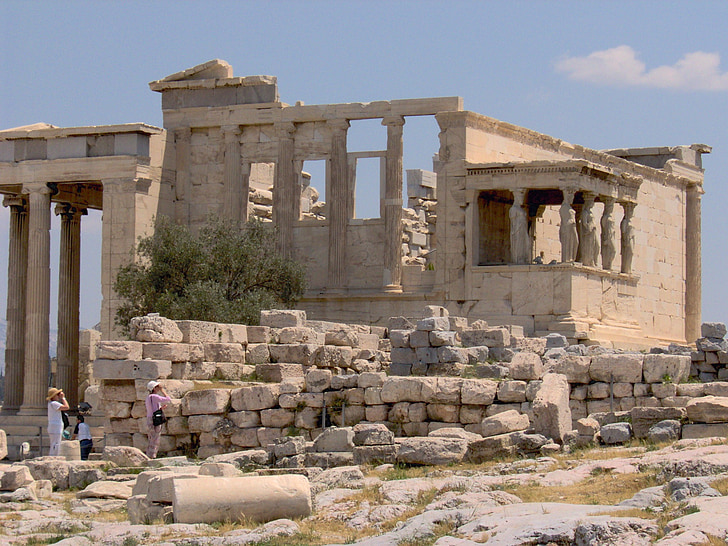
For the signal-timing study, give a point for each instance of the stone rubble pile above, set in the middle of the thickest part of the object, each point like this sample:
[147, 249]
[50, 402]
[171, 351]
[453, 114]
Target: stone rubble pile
[247, 387]
[710, 359]
[420, 219]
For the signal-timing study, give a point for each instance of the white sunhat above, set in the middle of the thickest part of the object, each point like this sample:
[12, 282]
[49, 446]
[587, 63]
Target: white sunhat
[151, 385]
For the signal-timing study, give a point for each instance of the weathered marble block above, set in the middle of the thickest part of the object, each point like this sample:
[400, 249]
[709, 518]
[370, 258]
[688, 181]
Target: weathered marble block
[210, 401]
[119, 350]
[132, 369]
[255, 397]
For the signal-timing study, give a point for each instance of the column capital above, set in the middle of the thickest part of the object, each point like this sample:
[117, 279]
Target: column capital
[231, 132]
[16, 201]
[589, 196]
[37, 187]
[182, 132]
[69, 209]
[628, 207]
[338, 124]
[518, 195]
[285, 129]
[695, 187]
[393, 121]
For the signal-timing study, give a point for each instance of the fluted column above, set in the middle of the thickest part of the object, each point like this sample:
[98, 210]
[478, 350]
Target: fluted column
[38, 295]
[609, 243]
[68, 300]
[338, 205]
[393, 205]
[693, 265]
[17, 270]
[233, 205]
[284, 189]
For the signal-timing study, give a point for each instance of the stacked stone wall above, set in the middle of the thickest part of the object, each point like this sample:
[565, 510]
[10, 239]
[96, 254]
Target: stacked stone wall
[239, 387]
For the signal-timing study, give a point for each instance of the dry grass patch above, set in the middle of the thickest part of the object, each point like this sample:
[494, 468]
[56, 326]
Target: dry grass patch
[721, 485]
[602, 487]
[216, 384]
[713, 541]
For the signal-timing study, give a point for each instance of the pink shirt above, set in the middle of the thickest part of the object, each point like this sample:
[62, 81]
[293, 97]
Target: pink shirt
[153, 403]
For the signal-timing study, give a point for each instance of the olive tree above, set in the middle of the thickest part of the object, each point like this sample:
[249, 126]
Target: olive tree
[226, 274]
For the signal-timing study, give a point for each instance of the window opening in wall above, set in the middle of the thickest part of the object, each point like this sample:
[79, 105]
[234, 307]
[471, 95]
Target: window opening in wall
[421, 144]
[260, 199]
[367, 135]
[313, 189]
[369, 171]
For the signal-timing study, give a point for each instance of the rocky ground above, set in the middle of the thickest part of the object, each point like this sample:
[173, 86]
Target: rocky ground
[644, 494]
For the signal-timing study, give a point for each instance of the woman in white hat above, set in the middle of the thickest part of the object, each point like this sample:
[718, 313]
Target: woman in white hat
[156, 399]
[56, 404]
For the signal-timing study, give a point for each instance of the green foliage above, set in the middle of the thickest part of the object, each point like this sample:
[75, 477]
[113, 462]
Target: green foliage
[225, 274]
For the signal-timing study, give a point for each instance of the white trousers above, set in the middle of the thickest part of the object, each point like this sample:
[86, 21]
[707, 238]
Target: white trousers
[55, 439]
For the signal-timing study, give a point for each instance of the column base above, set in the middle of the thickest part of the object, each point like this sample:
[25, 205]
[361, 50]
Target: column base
[393, 288]
[32, 411]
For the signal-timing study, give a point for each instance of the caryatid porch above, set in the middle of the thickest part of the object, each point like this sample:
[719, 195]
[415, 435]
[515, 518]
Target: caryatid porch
[564, 235]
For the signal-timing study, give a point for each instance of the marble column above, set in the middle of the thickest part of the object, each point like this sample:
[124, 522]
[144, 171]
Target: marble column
[69, 300]
[609, 243]
[693, 265]
[182, 183]
[626, 230]
[338, 205]
[568, 233]
[17, 270]
[284, 189]
[393, 205]
[38, 296]
[233, 199]
[520, 239]
[588, 240]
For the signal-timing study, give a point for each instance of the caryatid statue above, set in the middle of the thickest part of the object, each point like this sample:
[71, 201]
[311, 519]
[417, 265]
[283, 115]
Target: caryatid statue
[588, 233]
[568, 233]
[627, 236]
[520, 239]
[609, 237]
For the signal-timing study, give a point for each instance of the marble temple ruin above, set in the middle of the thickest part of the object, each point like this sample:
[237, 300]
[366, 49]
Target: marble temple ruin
[511, 226]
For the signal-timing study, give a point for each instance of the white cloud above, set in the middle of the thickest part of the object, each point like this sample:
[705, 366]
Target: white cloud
[620, 66]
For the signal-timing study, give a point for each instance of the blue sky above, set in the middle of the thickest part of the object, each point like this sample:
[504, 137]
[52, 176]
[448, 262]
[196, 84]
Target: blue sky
[601, 74]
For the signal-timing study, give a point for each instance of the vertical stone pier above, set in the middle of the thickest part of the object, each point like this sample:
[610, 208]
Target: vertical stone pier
[234, 204]
[285, 200]
[338, 206]
[693, 268]
[393, 205]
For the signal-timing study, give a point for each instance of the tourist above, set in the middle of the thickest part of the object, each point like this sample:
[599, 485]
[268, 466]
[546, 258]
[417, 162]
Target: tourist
[83, 433]
[156, 399]
[56, 404]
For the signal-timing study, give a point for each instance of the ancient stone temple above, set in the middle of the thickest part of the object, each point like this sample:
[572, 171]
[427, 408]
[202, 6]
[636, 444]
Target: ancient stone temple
[513, 226]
